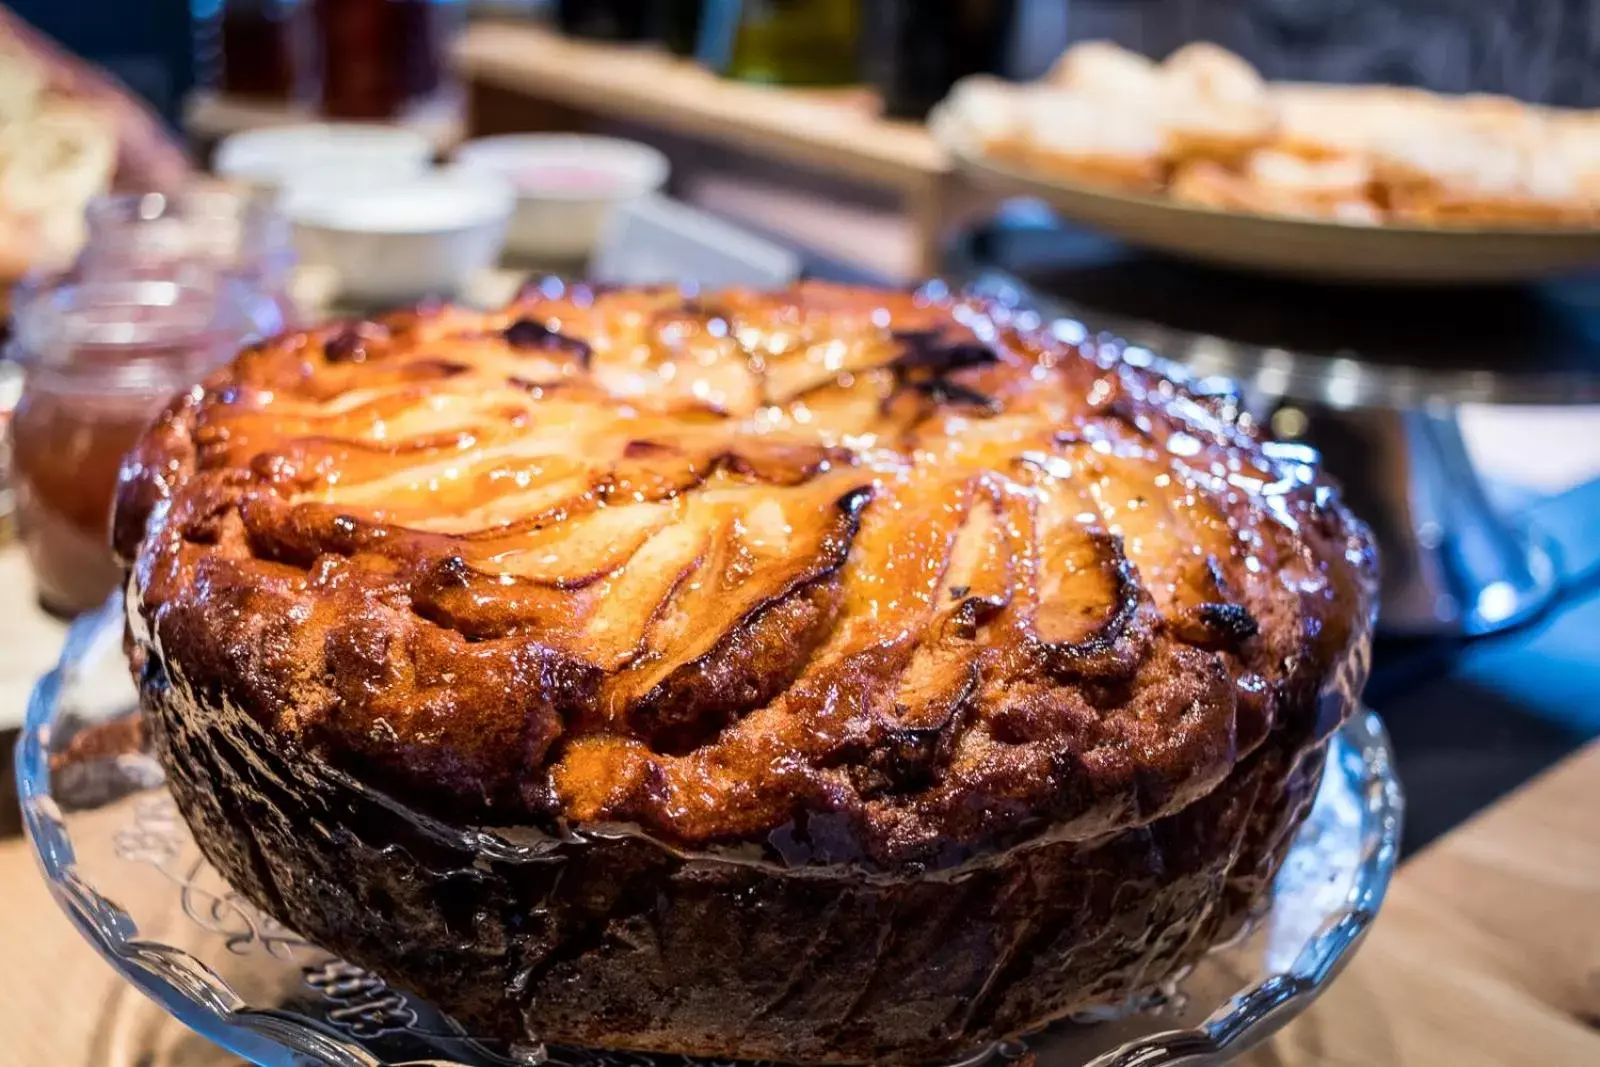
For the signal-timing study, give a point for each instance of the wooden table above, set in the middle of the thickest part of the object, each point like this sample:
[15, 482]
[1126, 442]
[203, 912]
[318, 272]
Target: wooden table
[1487, 954]
[521, 77]
[30, 640]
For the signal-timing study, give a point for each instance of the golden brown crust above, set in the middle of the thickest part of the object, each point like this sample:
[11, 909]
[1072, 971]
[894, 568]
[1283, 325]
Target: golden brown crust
[721, 565]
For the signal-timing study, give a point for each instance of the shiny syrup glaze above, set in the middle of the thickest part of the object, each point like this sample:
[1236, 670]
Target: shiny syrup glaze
[847, 573]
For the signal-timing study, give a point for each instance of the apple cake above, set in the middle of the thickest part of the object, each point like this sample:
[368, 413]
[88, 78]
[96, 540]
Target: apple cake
[826, 675]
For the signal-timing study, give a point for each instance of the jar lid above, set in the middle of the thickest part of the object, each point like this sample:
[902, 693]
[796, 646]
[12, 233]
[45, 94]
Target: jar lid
[222, 225]
[133, 335]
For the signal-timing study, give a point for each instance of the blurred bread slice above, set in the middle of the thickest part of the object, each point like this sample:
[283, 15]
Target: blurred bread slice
[985, 109]
[22, 84]
[52, 164]
[1320, 121]
[1089, 139]
[1574, 143]
[1206, 183]
[1215, 105]
[1211, 71]
[1336, 187]
[1103, 69]
[64, 153]
[1207, 128]
[1277, 183]
[1453, 172]
[148, 157]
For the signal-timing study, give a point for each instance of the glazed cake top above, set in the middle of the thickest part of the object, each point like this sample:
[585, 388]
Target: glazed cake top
[845, 573]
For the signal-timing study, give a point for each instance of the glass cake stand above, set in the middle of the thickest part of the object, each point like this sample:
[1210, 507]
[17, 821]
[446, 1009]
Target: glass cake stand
[122, 865]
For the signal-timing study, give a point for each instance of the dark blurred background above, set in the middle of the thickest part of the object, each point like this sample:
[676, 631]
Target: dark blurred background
[1541, 50]
[1546, 51]
[149, 44]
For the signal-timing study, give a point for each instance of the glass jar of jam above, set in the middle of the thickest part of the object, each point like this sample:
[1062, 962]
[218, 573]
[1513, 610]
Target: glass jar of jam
[99, 359]
[198, 235]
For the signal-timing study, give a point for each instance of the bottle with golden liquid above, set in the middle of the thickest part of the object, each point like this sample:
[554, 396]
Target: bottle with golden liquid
[784, 42]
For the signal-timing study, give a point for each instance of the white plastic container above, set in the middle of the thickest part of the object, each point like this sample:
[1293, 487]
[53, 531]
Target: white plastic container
[279, 157]
[394, 242]
[567, 186]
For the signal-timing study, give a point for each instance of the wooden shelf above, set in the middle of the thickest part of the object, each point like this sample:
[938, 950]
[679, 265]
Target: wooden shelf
[838, 132]
[209, 117]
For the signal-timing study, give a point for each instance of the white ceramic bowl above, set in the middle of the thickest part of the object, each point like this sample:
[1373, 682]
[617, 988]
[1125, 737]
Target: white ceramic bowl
[567, 186]
[280, 156]
[425, 235]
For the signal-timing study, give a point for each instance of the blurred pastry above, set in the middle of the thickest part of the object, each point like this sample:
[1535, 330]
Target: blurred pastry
[1200, 127]
[989, 109]
[1337, 187]
[1321, 121]
[1207, 183]
[1100, 68]
[22, 83]
[1207, 70]
[1574, 143]
[1451, 173]
[1278, 183]
[67, 134]
[148, 157]
[1082, 138]
[1206, 129]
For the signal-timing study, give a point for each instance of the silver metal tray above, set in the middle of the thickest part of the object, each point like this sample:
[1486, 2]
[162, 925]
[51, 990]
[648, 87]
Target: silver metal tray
[123, 867]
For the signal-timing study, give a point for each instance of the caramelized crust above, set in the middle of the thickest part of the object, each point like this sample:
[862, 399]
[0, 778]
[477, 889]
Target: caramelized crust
[849, 576]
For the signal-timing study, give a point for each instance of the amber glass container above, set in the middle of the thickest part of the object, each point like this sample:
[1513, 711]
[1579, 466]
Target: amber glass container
[262, 49]
[378, 57]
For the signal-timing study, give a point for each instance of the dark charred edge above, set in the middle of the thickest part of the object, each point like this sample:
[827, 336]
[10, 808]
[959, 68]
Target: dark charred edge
[349, 343]
[1217, 627]
[531, 334]
[675, 726]
[1097, 654]
[971, 613]
[433, 369]
[926, 359]
[822, 458]
[943, 391]
[701, 311]
[926, 350]
[668, 733]
[905, 760]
